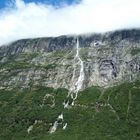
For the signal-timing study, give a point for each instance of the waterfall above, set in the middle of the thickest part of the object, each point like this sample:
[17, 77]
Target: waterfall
[79, 83]
[75, 88]
[56, 123]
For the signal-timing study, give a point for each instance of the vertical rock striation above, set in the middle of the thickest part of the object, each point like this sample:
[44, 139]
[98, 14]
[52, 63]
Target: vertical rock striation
[100, 60]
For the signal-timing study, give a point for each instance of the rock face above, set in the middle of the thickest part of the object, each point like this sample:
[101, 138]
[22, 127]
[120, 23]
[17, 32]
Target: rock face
[107, 59]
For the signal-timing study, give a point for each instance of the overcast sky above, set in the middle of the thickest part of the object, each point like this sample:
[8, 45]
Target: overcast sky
[39, 18]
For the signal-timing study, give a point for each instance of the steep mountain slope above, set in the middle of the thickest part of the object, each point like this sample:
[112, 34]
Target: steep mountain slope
[107, 59]
[71, 87]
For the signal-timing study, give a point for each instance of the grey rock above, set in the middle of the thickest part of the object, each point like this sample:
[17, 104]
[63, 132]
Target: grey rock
[108, 60]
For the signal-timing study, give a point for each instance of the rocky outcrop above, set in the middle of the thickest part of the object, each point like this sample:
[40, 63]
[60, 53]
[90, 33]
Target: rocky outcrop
[108, 59]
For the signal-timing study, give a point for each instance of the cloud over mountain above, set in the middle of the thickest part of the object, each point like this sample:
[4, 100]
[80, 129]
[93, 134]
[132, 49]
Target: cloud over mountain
[28, 20]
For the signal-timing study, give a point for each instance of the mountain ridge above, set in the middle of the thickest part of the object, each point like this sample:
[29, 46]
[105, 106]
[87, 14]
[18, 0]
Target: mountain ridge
[124, 34]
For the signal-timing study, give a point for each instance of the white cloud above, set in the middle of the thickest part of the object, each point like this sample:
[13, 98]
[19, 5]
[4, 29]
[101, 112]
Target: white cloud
[40, 20]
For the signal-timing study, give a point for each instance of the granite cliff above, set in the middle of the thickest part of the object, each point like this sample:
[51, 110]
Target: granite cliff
[108, 59]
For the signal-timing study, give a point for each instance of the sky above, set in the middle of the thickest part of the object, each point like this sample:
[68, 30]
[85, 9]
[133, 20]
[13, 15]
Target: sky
[3, 3]
[44, 18]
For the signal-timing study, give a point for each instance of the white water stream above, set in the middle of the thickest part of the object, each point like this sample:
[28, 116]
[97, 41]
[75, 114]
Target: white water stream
[77, 86]
[55, 125]
[79, 83]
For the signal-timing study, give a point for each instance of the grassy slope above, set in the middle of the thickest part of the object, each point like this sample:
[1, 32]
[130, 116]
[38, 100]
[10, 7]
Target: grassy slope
[111, 114]
[135, 51]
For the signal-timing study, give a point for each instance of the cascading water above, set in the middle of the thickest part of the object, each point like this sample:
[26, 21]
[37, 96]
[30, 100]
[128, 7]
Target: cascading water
[79, 83]
[55, 125]
[77, 86]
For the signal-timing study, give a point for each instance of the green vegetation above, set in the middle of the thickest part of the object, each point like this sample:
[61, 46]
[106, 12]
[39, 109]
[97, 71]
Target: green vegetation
[51, 66]
[135, 51]
[16, 65]
[19, 61]
[84, 53]
[61, 53]
[110, 114]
